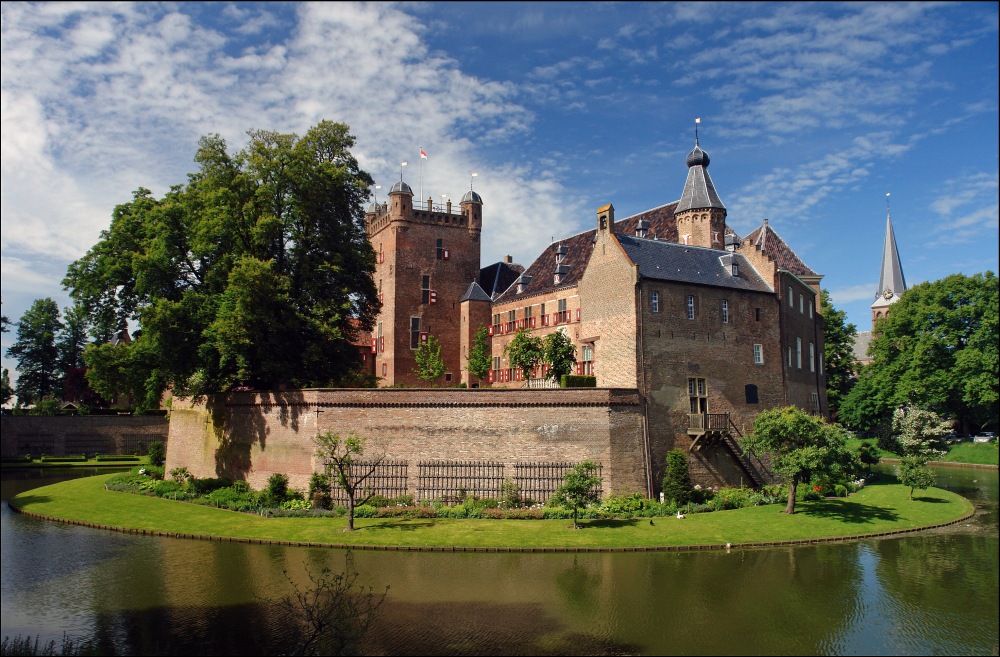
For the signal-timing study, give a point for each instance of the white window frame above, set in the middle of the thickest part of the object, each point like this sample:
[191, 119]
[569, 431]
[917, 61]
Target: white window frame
[791, 297]
[725, 311]
[654, 302]
[758, 354]
[802, 304]
[798, 353]
[789, 356]
[690, 306]
[812, 357]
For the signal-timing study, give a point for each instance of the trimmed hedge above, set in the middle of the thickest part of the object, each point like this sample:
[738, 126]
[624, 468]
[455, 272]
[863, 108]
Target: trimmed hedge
[577, 381]
[117, 457]
[79, 458]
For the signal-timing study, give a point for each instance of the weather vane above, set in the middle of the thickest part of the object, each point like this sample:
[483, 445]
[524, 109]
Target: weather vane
[401, 165]
[472, 178]
[697, 120]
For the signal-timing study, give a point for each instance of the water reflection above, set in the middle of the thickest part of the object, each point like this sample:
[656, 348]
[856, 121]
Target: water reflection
[933, 593]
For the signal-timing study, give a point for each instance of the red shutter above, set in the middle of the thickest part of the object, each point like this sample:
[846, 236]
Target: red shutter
[490, 329]
[381, 298]
[446, 255]
[434, 296]
[381, 344]
[381, 257]
[374, 346]
[489, 378]
[578, 314]
[532, 323]
[423, 337]
[545, 320]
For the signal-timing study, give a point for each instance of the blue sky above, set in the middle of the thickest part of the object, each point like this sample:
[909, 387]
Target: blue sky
[811, 114]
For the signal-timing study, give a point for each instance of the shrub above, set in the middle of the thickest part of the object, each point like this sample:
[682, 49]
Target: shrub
[295, 504]
[231, 498]
[156, 452]
[677, 479]
[181, 475]
[840, 490]
[365, 511]
[623, 505]
[510, 494]
[277, 487]
[319, 490]
[208, 485]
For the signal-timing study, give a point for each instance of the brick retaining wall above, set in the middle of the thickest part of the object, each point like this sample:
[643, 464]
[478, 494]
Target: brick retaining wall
[253, 435]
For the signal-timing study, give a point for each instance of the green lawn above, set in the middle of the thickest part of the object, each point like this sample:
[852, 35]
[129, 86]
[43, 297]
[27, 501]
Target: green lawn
[981, 453]
[877, 508]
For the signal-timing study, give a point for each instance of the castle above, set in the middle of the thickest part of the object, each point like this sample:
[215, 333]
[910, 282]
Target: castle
[689, 330]
[707, 326]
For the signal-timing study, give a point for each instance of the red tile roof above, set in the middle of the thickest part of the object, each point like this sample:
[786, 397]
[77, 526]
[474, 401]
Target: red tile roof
[768, 241]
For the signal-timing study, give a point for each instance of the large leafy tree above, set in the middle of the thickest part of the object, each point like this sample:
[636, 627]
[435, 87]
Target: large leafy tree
[801, 446]
[6, 390]
[937, 349]
[36, 353]
[838, 352]
[256, 273]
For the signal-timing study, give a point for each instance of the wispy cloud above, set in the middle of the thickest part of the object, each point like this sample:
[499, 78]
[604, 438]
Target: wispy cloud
[968, 208]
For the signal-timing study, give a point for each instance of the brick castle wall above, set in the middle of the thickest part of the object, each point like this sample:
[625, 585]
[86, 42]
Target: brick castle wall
[253, 435]
[62, 435]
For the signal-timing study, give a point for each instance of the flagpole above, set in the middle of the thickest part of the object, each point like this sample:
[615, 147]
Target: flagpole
[422, 176]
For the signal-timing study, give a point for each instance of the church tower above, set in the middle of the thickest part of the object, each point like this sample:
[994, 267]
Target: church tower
[891, 283]
[700, 214]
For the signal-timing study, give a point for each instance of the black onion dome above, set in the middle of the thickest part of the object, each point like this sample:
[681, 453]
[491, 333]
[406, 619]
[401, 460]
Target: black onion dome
[697, 158]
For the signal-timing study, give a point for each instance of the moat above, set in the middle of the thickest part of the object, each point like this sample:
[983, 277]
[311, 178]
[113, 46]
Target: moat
[935, 592]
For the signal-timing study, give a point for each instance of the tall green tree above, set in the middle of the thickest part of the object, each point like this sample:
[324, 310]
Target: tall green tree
[559, 353]
[479, 358]
[255, 273]
[677, 478]
[6, 390]
[937, 349]
[430, 364]
[73, 337]
[36, 353]
[525, 352]
[838, 352]
[801, 446]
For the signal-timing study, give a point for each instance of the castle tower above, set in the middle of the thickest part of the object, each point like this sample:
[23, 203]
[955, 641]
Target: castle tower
[700, 214]
[891, 283]
[425, 260]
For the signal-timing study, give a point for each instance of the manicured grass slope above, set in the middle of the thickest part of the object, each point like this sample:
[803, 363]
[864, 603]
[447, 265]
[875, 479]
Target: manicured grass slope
[877, 508]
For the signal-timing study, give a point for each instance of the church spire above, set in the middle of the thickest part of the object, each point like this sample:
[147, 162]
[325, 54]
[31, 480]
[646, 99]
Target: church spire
[891, 282]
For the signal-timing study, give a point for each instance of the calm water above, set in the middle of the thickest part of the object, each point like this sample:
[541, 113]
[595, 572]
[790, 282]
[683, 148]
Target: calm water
[936, 593]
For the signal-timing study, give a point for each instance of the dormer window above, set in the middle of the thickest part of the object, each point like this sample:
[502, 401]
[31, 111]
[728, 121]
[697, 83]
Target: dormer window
[561, 252]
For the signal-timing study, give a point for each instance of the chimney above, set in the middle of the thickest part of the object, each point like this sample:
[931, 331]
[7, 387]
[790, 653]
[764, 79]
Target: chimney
[508, 259]
[606, 218]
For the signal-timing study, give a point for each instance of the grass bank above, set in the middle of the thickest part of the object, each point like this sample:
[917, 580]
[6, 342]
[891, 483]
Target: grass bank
[55, 462]
[966, 452]
[875, 509]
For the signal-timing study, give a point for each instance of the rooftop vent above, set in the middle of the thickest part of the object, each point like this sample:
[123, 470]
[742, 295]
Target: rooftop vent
[561, 271]
[522, 282]
[641, 228]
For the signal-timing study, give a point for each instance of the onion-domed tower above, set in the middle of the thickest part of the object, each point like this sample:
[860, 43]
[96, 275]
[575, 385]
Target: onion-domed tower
[700, 214]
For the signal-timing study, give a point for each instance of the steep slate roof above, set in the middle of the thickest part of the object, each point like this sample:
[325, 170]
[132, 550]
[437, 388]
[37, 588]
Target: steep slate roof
[661, 226]
[667, 261]
[475, 293]
[891, 276]
[699, 190]
[499, 276]
[772, 245]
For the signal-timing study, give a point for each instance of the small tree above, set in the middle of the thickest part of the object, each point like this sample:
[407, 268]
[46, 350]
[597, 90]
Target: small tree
[479, 358]
[430, 364]
[333, 614]
[919, 433]
[560, 354]
[340, 457]
[319, 490]
[525, 352]
[868, 456]
[581, 486]
[913, 473]
[801, 446]
[36, 352]
[677, 479]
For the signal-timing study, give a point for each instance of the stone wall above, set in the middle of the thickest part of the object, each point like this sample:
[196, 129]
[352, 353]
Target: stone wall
[253, 435]
[77, 434]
